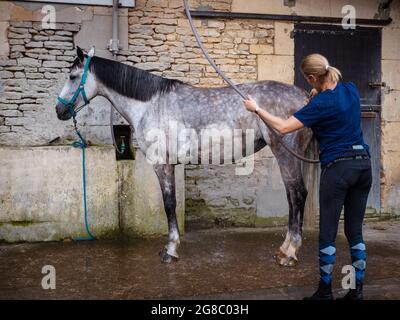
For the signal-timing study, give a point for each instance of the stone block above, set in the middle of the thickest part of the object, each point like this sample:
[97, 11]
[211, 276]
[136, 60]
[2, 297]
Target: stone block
[261, 49]
[5, 10]
[4, 129]
[278, 68]
[19, 13]
[56, 64]
[284, 45]
[390, 136]
[165, 29]
[260, 6]
[390, 73]
[391, 44]
[17, 121]
[34, 44]
[4, 46]
[6, 75]
[312, 8]
[42, 199]
[29, 62]
[10, 113]
[151, 66]
[391, 106]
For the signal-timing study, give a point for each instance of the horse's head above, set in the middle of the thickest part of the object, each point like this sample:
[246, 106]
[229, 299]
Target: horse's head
[79, 89]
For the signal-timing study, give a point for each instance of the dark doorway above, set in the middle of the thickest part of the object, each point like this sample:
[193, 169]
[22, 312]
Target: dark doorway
[357, 53]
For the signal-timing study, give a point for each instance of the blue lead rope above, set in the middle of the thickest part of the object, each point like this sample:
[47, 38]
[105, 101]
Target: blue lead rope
[82, 144]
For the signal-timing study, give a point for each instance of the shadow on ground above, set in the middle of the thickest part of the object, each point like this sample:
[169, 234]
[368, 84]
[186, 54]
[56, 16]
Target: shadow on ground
[228, 264]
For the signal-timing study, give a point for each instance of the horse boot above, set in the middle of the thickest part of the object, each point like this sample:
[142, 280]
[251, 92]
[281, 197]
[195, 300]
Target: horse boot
[354, 294]
[324, 292]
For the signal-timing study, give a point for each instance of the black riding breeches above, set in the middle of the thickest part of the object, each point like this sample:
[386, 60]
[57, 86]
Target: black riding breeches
[344, 183]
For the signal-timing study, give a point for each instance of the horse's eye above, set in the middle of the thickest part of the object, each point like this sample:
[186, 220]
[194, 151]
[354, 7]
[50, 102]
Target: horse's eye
[71, 77]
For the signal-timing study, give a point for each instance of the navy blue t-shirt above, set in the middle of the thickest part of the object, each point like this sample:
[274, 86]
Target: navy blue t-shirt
[335, 119]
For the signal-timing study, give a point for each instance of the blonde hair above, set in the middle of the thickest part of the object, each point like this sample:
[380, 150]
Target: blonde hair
[317, 65]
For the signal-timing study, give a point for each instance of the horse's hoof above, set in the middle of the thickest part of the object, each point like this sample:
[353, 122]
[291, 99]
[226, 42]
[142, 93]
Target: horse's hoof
[167, 258]
[283, 260]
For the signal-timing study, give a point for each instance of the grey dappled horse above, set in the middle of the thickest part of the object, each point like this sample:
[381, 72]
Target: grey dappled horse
[148, 101]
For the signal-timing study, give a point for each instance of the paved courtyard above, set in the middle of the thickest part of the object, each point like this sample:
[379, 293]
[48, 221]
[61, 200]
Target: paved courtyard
[215, 264]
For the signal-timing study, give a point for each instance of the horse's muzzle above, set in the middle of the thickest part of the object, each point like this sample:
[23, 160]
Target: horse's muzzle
[62, 112]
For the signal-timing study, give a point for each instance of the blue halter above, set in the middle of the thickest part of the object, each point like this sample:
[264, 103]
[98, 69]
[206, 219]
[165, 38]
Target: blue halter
[81, 90]
[82, 143]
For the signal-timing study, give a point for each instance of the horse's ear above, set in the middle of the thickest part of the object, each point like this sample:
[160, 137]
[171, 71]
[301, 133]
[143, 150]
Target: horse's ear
[91, 51]
[81, 55]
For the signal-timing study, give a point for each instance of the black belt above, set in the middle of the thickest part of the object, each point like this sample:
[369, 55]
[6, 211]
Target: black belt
[355, 157]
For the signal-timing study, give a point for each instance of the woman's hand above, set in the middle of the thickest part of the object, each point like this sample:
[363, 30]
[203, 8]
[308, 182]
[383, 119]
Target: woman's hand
[312, 94]
[250, 104]
[282, 125]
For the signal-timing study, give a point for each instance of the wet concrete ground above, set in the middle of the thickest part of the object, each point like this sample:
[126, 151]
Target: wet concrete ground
[228, 264]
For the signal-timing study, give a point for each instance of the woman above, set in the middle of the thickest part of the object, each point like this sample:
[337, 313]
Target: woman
[333, 113]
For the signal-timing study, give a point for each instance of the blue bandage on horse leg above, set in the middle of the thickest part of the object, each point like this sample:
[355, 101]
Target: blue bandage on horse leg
[327, 258]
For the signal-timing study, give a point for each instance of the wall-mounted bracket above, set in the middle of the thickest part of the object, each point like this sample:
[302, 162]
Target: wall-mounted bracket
[289, 3]
[383, 10]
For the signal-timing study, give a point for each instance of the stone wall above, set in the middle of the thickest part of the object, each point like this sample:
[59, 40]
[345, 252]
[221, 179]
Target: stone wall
[36, 59]
[156, 37]
[41, 195]
[34, 64]
[161, 41]
[215, 196]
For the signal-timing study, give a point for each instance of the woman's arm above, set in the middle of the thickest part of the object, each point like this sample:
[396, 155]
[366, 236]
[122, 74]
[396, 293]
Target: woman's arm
[284, 126]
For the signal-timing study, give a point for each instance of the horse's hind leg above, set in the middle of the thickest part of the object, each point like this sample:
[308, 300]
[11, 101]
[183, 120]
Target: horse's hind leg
[296, 193]
[166, 177]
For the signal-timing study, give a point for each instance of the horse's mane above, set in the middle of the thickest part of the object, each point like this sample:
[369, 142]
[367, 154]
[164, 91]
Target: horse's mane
[130, 81]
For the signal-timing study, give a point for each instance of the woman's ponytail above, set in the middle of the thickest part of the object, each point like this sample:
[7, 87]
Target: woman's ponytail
[333, 73]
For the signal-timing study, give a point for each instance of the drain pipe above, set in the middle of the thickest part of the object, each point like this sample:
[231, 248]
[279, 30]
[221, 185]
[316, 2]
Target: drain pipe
[384, 10]
[114, 48]
[387, 4]
[114, 42]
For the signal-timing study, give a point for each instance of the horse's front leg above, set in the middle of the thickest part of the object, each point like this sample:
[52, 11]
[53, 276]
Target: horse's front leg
[296, 194]
[166, 177]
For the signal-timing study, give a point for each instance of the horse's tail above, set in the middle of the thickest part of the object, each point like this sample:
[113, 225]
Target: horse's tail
[312, 148]
[310, 174]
